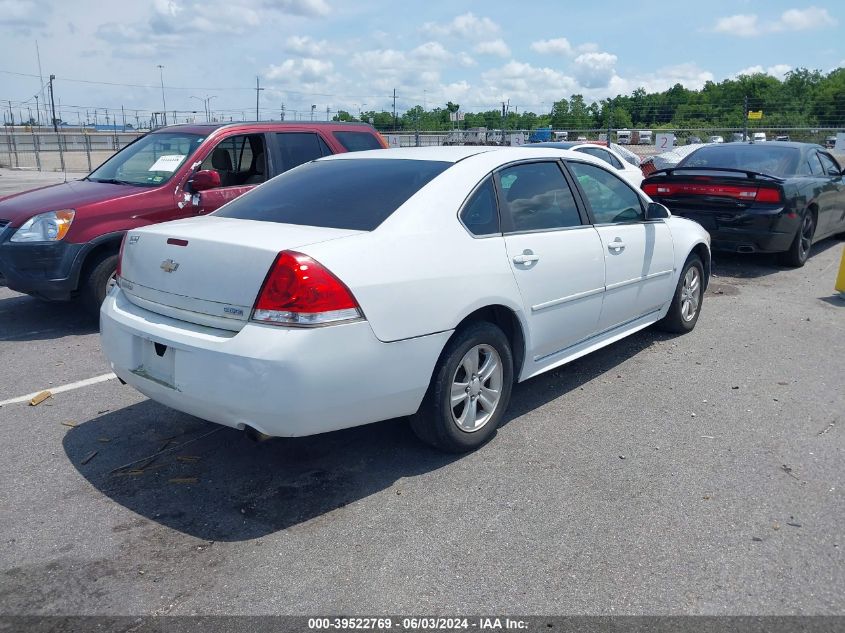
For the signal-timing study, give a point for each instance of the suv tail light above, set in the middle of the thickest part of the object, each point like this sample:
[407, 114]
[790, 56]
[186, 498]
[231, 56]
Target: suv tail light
[300, 291]
[751, 194]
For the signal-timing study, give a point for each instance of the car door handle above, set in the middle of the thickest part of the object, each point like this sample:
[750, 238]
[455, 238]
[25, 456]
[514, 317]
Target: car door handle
[527, 257]
[616, 245]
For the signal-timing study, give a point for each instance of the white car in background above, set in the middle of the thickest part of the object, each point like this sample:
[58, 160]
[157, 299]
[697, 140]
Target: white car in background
[617, 157]
[411, 282]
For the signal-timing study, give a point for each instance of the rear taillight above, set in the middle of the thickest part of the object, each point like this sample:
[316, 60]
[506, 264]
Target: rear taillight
[750, 194]
[117, 272]
[300, 291]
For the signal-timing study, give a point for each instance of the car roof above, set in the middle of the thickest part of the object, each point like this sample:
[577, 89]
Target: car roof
[457, 153]
[748, 146]
[208, 128]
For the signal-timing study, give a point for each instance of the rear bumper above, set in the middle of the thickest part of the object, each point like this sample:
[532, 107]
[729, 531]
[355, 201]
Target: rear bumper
[280, 381]
[752, 231]
[48, 270]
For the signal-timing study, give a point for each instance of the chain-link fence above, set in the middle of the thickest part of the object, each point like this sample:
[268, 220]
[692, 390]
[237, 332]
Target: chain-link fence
[83, 151]
[65, 151]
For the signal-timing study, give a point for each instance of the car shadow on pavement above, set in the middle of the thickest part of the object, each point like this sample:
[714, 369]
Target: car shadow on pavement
[222, 486]
[24, 318]
[754, 265]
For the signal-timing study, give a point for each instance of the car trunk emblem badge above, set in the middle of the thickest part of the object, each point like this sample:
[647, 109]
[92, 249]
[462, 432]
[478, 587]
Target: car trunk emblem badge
[169, 266]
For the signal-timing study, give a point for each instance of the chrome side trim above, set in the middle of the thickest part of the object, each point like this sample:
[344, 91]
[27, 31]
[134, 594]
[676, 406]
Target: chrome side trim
[636, 280]
[575, 297]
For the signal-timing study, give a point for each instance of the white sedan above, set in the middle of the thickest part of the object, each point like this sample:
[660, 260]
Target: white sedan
[624, 161]
[410, 282]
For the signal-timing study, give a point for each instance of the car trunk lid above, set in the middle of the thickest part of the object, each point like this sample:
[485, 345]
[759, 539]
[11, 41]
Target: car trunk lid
[208, 270]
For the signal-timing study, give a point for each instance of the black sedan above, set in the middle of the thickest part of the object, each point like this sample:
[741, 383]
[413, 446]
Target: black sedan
[757, 197]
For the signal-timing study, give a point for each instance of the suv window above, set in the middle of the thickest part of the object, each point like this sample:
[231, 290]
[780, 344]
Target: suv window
[479, 214]
[610, 198]
[240, 160]
[537, 197]
[300, 147]
[357, 141]
[601, 153]
[339, 194]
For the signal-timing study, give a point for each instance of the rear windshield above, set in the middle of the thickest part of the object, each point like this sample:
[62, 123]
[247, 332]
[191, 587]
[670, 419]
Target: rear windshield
[762, 158]
[338, 194]
[357, 141]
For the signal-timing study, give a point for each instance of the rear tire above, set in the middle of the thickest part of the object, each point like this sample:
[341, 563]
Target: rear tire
[799, 250]
[97, 283]
[689, 296]
[469, 391]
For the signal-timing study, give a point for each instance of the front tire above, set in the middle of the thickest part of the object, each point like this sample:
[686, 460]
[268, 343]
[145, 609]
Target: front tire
[799, 250]
[469, 391]
[689, 295]
[98, 282]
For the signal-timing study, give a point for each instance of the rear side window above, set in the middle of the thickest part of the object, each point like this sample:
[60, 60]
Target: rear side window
[338, 194]
[357, 141]
[479, 214]
[830, 168]
[299, 147]
[537, 197]
[600, 153]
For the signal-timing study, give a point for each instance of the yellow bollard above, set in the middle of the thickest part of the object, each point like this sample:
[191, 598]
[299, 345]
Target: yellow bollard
[840, 278]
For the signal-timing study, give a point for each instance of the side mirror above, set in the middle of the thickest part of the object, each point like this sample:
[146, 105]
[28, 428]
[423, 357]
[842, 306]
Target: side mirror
[656, 211]
[205, 179]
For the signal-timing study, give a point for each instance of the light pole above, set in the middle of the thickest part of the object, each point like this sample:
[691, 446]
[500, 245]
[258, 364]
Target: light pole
[53, 105]
[38, 111]
[205, 102]
[313, 107]
[163, 102]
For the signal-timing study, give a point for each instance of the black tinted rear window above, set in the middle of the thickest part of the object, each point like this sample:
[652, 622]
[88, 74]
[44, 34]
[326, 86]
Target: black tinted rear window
[357, 141]
[338, 194]
[763, 158]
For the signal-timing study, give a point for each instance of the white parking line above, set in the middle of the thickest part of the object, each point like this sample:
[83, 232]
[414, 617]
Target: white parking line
[54, 390]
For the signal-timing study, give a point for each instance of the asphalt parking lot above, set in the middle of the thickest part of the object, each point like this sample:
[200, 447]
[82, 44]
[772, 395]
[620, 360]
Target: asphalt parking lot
[699, 474]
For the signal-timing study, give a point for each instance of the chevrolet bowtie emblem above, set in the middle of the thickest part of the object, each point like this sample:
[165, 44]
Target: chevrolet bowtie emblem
[168, 265]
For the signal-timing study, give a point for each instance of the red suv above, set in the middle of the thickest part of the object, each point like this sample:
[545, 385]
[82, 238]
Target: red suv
[62, 241]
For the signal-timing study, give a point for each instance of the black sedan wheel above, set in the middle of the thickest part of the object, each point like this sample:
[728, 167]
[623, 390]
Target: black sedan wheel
[799, 252]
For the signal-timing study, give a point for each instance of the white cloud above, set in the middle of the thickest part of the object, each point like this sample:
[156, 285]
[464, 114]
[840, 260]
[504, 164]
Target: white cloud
[308, 47]
[749, 25]
[688, 75]
[739, 25]
[493, 47]
[306, 8]
[594, 70]
[303, 70]
[557, 46]
[431, 51]
[778, 71]
[805, 19]
[467, 26]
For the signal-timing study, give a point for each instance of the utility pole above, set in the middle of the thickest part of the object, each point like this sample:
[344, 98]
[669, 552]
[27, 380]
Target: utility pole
[394, 109]
[41, 79]
[52, 105]
[313, 107]
[37, 111]
[258, 90]
[123, 114]
[327, 113]
[745, 119]
[282, 113]
[163, 102]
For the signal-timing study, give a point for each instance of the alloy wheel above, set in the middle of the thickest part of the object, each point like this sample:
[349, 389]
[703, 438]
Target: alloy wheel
[476, 388]
[690, 294]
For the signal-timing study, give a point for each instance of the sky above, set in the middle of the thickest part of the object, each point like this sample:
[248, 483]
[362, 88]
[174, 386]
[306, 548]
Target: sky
[352, 55]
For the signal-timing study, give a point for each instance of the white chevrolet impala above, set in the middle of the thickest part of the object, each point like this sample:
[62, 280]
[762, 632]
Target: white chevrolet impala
[409, 282]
